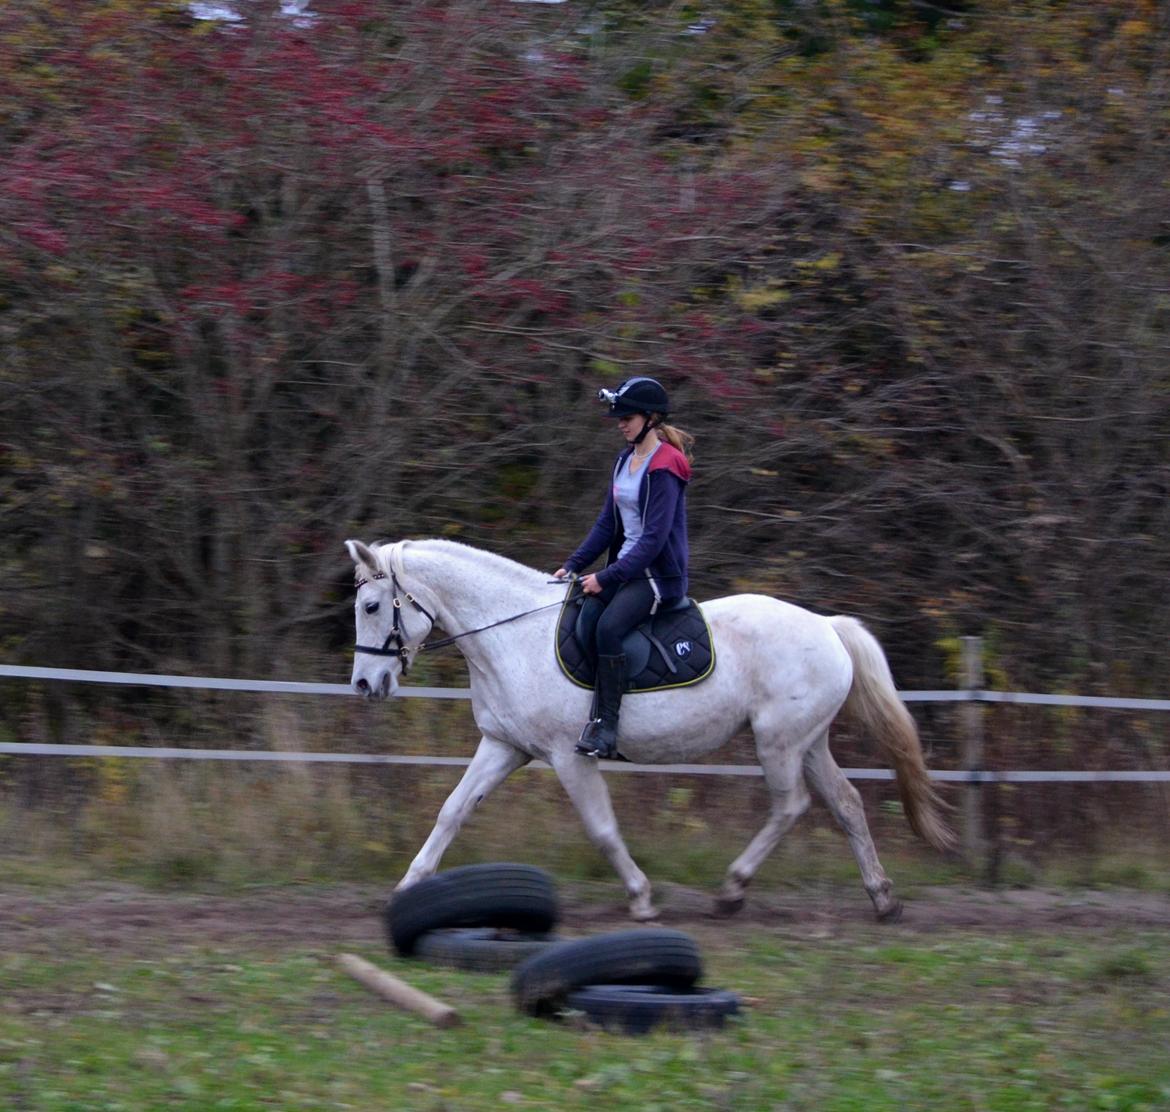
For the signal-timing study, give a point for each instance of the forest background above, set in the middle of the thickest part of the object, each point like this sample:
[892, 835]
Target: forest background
[358, 269]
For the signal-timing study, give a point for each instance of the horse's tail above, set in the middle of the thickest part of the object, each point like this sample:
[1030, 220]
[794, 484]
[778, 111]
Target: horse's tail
[873, 702]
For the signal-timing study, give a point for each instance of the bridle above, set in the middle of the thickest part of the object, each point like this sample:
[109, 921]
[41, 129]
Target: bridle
[395, 644]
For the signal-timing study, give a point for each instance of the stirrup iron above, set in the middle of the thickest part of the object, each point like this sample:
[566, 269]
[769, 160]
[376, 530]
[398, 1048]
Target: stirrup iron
[589, 744]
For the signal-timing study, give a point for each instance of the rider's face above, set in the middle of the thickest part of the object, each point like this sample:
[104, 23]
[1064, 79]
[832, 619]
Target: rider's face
[630, 425]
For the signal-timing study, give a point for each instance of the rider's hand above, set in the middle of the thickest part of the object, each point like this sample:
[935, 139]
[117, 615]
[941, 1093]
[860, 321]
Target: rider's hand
[560, 573]
[590, 585]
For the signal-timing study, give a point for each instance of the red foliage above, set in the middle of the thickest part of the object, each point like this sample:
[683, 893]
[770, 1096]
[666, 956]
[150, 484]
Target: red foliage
[238, 167]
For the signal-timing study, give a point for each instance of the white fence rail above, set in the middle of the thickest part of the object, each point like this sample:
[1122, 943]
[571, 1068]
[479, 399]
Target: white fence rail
[285, 687]
[972, 776]
[956, 776]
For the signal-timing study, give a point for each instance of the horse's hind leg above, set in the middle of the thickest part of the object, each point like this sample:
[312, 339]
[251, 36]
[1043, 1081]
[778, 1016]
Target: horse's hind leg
[789, 800]
[494, 762]
[844, 801]
[585, 786]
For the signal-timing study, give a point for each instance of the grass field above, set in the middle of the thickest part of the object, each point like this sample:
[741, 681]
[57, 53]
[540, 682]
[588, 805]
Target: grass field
[118, 998]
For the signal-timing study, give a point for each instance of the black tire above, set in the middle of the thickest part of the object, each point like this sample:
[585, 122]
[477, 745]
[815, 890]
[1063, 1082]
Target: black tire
[657, 957]
[637, 1009]
[479, 949]
[521, 897]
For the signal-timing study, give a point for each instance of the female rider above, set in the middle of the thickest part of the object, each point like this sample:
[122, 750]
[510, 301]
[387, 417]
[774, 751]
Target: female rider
[643, 526]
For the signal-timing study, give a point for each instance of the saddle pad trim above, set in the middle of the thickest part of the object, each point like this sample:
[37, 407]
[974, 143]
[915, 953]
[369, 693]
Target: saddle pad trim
[634, 690]
[571, 596]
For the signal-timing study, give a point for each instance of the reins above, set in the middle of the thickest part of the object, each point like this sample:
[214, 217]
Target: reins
[394, 645]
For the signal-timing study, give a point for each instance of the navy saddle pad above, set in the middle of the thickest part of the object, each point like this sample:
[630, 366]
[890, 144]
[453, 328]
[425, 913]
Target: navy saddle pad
[673, 648]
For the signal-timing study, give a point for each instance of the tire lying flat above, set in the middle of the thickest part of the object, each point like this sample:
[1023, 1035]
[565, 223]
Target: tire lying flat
[479, 949]
[637, 1009]
[519, 897]
[541, 984]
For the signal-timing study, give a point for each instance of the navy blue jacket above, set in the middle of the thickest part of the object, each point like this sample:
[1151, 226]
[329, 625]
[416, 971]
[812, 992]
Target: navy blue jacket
[661, 553]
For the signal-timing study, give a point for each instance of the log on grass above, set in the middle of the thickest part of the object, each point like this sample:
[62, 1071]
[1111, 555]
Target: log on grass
[397, 992]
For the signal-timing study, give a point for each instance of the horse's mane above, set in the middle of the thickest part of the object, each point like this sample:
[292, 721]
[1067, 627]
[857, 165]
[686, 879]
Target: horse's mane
[503, 565]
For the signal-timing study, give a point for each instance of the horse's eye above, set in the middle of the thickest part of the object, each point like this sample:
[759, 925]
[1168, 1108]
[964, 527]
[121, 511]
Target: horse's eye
[372, 607]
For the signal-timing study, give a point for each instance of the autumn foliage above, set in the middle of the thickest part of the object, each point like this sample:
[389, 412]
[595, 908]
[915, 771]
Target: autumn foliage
[271, 282]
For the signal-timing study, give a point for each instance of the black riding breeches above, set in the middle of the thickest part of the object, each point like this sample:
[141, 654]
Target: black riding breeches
[616, 611]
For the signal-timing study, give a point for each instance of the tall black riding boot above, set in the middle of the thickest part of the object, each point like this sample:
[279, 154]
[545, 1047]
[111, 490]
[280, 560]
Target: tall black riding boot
[599, 738]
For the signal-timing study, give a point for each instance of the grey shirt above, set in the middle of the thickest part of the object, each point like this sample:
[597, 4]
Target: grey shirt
[626, 491]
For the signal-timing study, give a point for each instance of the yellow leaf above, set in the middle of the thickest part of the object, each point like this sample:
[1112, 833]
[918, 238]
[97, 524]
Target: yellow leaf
[1134, 29]
[754, 300]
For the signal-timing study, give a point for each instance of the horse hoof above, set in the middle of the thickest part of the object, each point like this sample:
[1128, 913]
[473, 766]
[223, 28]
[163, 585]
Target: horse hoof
[892, 914]
[727, 906]
[645, 914]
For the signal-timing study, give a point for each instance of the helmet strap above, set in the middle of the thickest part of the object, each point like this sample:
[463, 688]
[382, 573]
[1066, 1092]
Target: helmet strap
[650, 424]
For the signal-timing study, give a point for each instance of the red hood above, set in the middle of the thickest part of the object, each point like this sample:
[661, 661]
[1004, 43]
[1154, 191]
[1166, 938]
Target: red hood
[670, 458]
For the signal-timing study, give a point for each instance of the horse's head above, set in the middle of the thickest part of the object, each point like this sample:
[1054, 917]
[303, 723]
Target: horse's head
[390, 624]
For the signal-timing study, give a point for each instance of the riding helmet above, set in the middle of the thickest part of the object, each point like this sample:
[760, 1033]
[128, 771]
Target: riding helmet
[636, 395]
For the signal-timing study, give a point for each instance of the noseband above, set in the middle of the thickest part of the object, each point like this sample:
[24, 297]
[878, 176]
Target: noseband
[394, 645]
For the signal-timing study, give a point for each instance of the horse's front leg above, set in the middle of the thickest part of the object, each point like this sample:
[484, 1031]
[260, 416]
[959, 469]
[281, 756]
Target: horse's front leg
[493, 763]
[585, 785]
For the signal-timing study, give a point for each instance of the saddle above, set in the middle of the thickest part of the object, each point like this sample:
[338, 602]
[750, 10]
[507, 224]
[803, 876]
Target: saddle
[672, 648]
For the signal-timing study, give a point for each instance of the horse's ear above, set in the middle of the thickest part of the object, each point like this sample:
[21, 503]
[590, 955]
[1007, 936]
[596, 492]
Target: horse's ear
[362, 554]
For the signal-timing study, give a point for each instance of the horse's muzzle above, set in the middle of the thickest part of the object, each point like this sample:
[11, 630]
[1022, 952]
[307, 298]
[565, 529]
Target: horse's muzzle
[381, 690]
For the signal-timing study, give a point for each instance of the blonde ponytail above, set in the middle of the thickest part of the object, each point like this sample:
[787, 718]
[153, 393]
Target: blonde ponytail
[676, 438]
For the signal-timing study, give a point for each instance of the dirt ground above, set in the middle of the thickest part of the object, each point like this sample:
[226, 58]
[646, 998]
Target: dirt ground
[118, 917]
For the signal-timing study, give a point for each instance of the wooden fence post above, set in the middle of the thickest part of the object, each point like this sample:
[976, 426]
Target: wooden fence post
[972, 741]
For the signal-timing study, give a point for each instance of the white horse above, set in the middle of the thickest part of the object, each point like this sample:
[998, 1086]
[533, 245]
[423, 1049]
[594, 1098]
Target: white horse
[781, 670]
